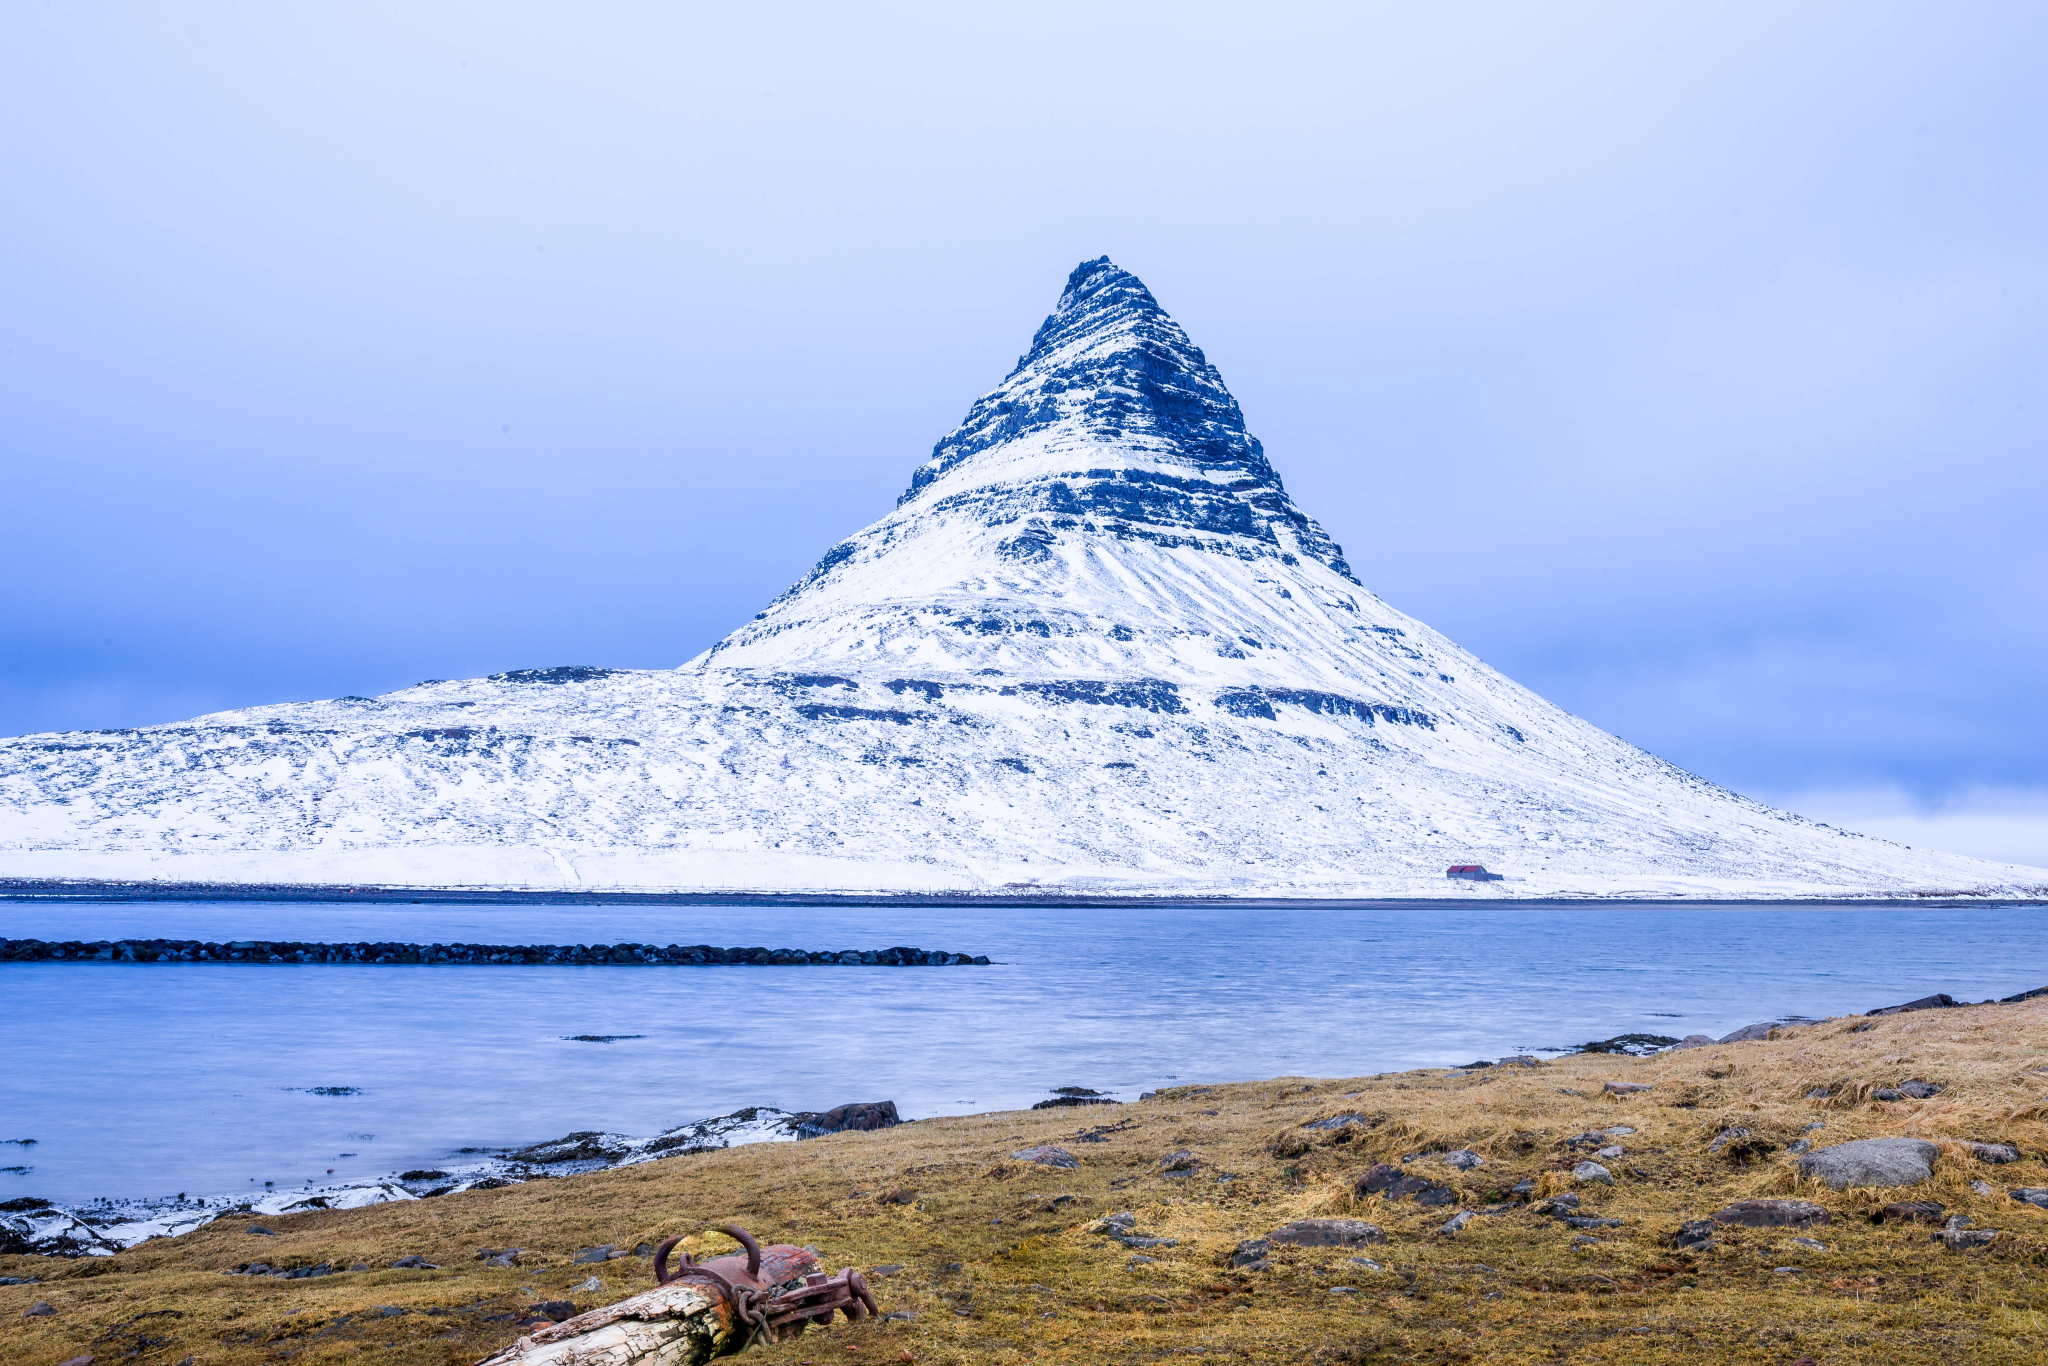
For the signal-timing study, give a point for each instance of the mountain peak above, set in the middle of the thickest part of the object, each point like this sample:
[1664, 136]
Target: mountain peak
[1113, 396]
[1111, 455]
[1101, 297]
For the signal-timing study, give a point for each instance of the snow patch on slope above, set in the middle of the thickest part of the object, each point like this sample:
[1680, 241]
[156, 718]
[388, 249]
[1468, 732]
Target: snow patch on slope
[1095, 648]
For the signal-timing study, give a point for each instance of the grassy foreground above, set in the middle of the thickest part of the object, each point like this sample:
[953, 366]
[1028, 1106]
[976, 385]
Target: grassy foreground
[998, 1264]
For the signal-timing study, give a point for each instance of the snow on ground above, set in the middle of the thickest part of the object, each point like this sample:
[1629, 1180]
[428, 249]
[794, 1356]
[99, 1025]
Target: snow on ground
[104, 1227]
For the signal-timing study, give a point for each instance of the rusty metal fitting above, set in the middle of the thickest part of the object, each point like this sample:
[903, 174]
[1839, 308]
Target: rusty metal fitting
[788, 1294]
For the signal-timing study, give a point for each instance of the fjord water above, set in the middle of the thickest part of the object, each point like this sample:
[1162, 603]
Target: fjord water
[144, 1080]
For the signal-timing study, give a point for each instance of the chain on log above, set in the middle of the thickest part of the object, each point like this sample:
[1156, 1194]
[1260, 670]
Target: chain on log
[701, 1310]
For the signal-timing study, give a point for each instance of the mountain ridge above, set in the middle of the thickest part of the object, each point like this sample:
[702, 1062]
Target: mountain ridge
[1094, 646]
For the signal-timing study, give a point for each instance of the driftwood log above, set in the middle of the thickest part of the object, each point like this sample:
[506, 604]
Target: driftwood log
[700, 1311]
[670, 1325]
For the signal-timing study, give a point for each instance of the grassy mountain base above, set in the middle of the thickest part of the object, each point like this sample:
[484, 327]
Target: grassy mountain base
[998, 1263]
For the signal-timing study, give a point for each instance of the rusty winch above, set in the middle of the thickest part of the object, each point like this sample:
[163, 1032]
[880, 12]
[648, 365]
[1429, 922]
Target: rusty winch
[770, 1289]
[698, 1311]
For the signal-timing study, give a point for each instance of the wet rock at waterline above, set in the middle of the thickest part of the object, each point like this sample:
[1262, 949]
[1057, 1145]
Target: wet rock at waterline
[861, 1116]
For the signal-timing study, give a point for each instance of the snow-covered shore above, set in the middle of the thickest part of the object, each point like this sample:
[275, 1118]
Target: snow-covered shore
[101, 1228]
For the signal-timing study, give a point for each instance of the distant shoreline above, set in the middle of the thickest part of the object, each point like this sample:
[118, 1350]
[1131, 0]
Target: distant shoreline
[47, 890]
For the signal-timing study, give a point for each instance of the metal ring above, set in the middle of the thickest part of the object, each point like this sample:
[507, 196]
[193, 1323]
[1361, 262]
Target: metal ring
[746, 1240]
[661, 1276]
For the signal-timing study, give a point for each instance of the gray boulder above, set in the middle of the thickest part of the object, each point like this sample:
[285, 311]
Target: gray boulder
[1327, 1233]
[1694, 1236]
[1251, 1254]
[1748, 1032]
[1726, 1136]
[859, 1115]
[1992, 1152]
[1592, 1171]
[1047, 1155]
[1771, 1214]
[1910, 1211]
[1941, 1000]
[1464, 1159]
[1693, 1041]
[1386, 1181]
[1872, 1162]
[2037, 1196]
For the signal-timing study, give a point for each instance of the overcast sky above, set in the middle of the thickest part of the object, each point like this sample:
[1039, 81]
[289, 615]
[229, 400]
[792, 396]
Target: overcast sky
[1685, 362]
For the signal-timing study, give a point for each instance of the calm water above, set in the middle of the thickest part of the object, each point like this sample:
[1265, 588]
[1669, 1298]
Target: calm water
[145, 1080]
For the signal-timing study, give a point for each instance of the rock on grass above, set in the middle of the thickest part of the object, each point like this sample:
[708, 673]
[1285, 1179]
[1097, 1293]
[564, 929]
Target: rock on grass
[1909, 1211]
[1872, 1162]
[1771, 1214]
[1966, 1239]
[1047, 1155]
[1388, 1182]
[1327, 1233]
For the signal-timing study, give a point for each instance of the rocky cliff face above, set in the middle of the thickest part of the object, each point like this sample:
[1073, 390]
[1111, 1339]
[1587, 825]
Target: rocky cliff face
[1095, 646]
[1156, 445]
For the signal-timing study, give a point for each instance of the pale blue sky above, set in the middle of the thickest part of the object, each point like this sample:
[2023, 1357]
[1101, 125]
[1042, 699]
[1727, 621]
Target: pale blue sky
[1684, 362]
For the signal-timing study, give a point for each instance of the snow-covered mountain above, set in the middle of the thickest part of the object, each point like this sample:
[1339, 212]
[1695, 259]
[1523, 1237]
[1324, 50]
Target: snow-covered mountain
[1096, 647]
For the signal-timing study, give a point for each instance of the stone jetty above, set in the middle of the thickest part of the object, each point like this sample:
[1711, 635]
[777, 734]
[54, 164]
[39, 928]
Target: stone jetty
[550, 955]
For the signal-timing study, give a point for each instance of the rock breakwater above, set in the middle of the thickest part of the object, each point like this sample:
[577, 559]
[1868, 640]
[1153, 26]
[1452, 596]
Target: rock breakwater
[577, 955]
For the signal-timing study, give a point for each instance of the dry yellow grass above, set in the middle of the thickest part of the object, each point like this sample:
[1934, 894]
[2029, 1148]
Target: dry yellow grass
[998, 1264]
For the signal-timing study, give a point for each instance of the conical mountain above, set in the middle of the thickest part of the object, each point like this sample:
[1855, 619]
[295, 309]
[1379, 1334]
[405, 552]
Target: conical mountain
[1095, 647]
[1108, 488]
